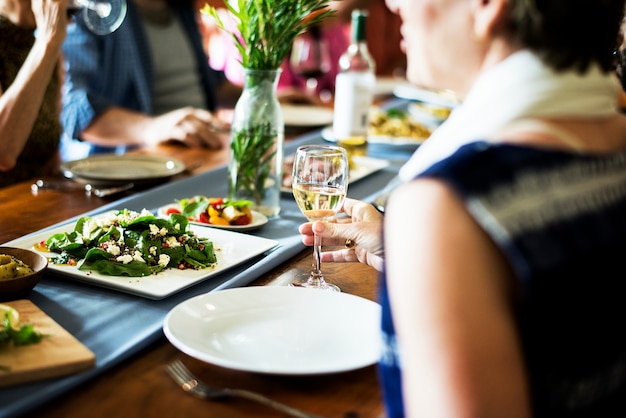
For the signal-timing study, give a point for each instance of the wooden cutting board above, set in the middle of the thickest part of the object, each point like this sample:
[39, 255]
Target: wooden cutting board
[58, 354]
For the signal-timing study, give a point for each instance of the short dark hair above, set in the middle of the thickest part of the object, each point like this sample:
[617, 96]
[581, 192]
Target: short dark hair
[568, 34]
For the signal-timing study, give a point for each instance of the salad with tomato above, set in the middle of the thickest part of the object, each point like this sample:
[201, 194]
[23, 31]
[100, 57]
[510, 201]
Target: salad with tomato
[214, 210]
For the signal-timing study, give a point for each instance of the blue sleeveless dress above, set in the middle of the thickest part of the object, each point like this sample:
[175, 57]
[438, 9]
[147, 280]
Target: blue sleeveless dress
[559, 218]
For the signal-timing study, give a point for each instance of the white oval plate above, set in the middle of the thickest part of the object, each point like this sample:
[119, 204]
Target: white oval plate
[364, 166]
[305, 115]
[258, 220]
[386, 85]
[442, 98]
[122, 168]
[394, 141]
[420, 112]
[277, 330]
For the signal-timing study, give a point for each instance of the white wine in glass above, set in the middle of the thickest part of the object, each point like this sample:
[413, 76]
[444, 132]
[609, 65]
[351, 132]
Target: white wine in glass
[320, 184]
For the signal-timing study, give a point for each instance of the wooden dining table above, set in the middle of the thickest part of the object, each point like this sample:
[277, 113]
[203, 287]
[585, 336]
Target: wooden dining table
[139, 386]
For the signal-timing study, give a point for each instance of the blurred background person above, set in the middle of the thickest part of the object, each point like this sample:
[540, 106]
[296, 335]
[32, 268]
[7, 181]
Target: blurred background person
[30, 80]
[146, 83]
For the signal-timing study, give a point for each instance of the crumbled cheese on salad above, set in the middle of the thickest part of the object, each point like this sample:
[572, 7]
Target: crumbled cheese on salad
[115, 244]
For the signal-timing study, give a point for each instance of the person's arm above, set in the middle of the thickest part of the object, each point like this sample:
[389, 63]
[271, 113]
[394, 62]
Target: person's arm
[21, 101]
[191, 126]
[451, 299]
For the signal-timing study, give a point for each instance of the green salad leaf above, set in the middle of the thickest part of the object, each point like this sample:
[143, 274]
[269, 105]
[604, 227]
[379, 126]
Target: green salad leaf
[24, 335]
[132, 244]
[194, 206]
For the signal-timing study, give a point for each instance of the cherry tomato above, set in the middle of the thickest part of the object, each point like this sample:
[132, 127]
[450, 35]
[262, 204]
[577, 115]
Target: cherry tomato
[242, 220]
[216, 202]
[169, 211]
[204, 218]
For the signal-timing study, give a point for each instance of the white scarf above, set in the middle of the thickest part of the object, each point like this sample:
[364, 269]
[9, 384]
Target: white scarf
[517, 88]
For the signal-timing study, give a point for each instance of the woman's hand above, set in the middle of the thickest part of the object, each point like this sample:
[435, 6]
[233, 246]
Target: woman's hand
[51, 20]
[363, 228]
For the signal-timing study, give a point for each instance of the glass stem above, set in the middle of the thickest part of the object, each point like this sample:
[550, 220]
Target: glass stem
[316, 270]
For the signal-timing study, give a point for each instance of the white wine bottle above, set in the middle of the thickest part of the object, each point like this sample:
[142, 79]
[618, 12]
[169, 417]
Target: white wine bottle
[354, 91]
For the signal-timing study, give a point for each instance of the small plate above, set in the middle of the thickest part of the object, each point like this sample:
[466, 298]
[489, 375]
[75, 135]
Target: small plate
[125, 168]
[258, 220]
[400, 141]
[277, 330]
[304, 115]
[364, 166]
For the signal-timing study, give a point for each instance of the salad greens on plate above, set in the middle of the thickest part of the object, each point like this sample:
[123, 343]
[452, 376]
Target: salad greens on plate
[215, 210]
[128, 243]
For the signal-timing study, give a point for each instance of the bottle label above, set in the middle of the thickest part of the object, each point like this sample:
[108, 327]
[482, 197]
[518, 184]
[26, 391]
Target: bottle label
[354, 93]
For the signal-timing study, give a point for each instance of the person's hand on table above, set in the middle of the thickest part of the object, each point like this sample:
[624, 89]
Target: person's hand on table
[190, 126]
[361, 232]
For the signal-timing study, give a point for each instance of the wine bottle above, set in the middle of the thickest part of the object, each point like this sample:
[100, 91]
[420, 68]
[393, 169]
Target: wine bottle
[354, 91]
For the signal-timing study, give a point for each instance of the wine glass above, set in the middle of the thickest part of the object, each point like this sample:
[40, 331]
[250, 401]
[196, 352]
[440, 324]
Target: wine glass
[320, 184]
[310, 58]
[101, 16]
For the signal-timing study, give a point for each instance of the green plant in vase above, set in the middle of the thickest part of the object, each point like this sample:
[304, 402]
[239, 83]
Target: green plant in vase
[263, 32]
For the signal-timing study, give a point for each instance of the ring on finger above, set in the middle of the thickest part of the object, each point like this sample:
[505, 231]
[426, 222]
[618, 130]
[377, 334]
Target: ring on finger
[350, 243]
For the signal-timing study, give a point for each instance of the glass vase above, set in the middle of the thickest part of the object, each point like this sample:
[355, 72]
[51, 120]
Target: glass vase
[256, 142]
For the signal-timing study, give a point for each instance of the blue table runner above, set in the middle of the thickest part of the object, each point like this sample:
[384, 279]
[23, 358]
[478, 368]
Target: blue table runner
[116, 325]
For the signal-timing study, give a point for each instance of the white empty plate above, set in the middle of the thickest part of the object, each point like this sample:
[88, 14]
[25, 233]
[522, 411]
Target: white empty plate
[112, 168]
[394, 141]
[436, 97]
[386, 85]
[305, 115]
[277, 330]
[364, 166]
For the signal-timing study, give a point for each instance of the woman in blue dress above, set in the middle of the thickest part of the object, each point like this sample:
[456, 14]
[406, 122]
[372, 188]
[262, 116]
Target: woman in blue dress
[503, 273]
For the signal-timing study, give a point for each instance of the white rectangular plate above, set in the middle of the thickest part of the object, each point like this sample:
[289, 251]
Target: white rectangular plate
[231, 249]
[365, 166]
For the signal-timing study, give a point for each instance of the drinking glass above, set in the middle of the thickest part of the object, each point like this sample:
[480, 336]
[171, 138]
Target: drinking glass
[320, 184]
[310, 58]
[100, 16]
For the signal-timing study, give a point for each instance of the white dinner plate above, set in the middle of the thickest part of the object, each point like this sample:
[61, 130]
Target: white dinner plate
[428, 114]
[364, 166]
[385, 85]
[231, 249]
[306, 115]
[122, 168]
[258, 220]
[437, 97]
[278, 330]
[393, 141]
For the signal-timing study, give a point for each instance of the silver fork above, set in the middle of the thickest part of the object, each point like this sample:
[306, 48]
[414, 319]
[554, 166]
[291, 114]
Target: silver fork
[190, 384]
